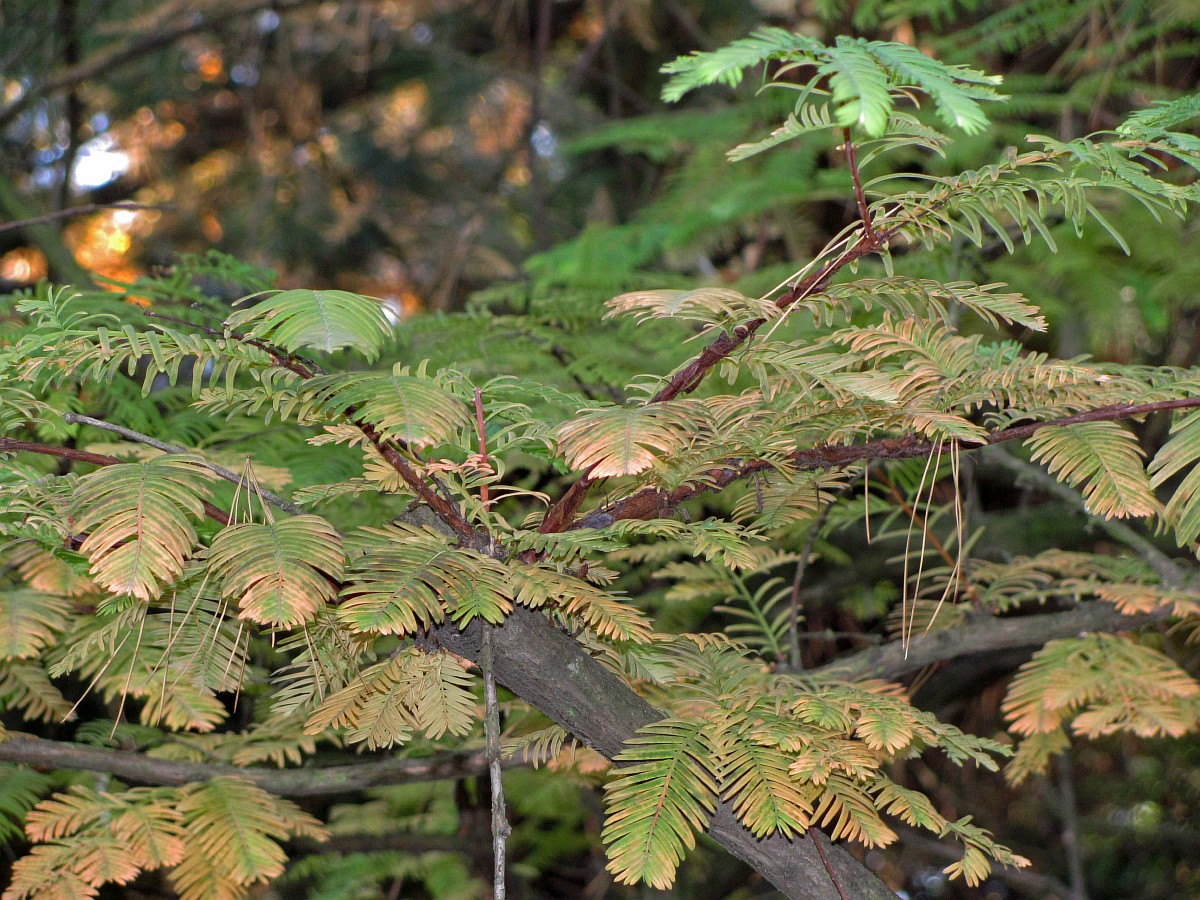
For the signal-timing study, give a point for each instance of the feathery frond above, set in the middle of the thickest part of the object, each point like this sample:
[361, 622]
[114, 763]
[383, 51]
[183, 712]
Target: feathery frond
[316, 320]
[409, 578]
[1101, 684]
[233, 830]
[136, 517]
[619, 440]
[865, 78]
[412, 691]
[1103, 458]
[1179, 454]
[29, 621]
[412, 409]
[281, 573]
[664, 795]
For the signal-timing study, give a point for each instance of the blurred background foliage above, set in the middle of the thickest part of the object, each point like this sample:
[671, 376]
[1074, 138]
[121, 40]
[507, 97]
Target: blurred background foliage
[514, 156]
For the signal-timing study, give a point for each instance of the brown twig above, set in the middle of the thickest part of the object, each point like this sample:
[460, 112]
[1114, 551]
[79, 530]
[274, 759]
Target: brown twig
[221, 471]
[445, 509]
[10, 445]
[80, 211]
[860, 197]
[308, 782]
[650, 503]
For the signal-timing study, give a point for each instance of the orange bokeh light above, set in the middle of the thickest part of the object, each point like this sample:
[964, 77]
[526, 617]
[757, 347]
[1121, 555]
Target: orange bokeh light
[24, 265]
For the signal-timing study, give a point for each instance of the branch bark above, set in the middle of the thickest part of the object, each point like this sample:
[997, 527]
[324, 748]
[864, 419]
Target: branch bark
[548, 669]
[985, 634]
[308, 782]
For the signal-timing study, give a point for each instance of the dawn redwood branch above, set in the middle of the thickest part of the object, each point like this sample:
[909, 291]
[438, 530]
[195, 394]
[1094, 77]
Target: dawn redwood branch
[561, 515]
[11, 445]
[137, 767]
[651, 502]
[130, 434]
[982, 634]
[551, 671]
[447, 511]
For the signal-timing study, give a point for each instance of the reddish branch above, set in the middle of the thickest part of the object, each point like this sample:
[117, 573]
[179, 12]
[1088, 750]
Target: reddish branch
[860, 196]
[652, 503]
[561, 515]
[10, 445]
[446, 510]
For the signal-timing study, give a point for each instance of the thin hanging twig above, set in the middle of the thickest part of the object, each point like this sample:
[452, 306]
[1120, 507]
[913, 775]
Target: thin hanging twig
[795, 664]
[491, 716]
[1070, 830]
[136, 436]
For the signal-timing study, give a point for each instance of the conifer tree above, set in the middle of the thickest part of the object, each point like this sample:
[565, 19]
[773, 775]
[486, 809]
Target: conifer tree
[239, 543]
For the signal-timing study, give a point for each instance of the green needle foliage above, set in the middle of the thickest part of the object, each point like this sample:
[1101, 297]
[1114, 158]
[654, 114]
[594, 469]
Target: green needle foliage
[542, 462]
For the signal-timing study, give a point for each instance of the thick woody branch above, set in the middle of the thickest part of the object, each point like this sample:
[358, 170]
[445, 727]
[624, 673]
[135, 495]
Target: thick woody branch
[983, 634]
[309, 782]
[551, 671]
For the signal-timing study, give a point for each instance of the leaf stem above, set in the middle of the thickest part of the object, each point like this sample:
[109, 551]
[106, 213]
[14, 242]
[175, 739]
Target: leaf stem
[860, 196]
